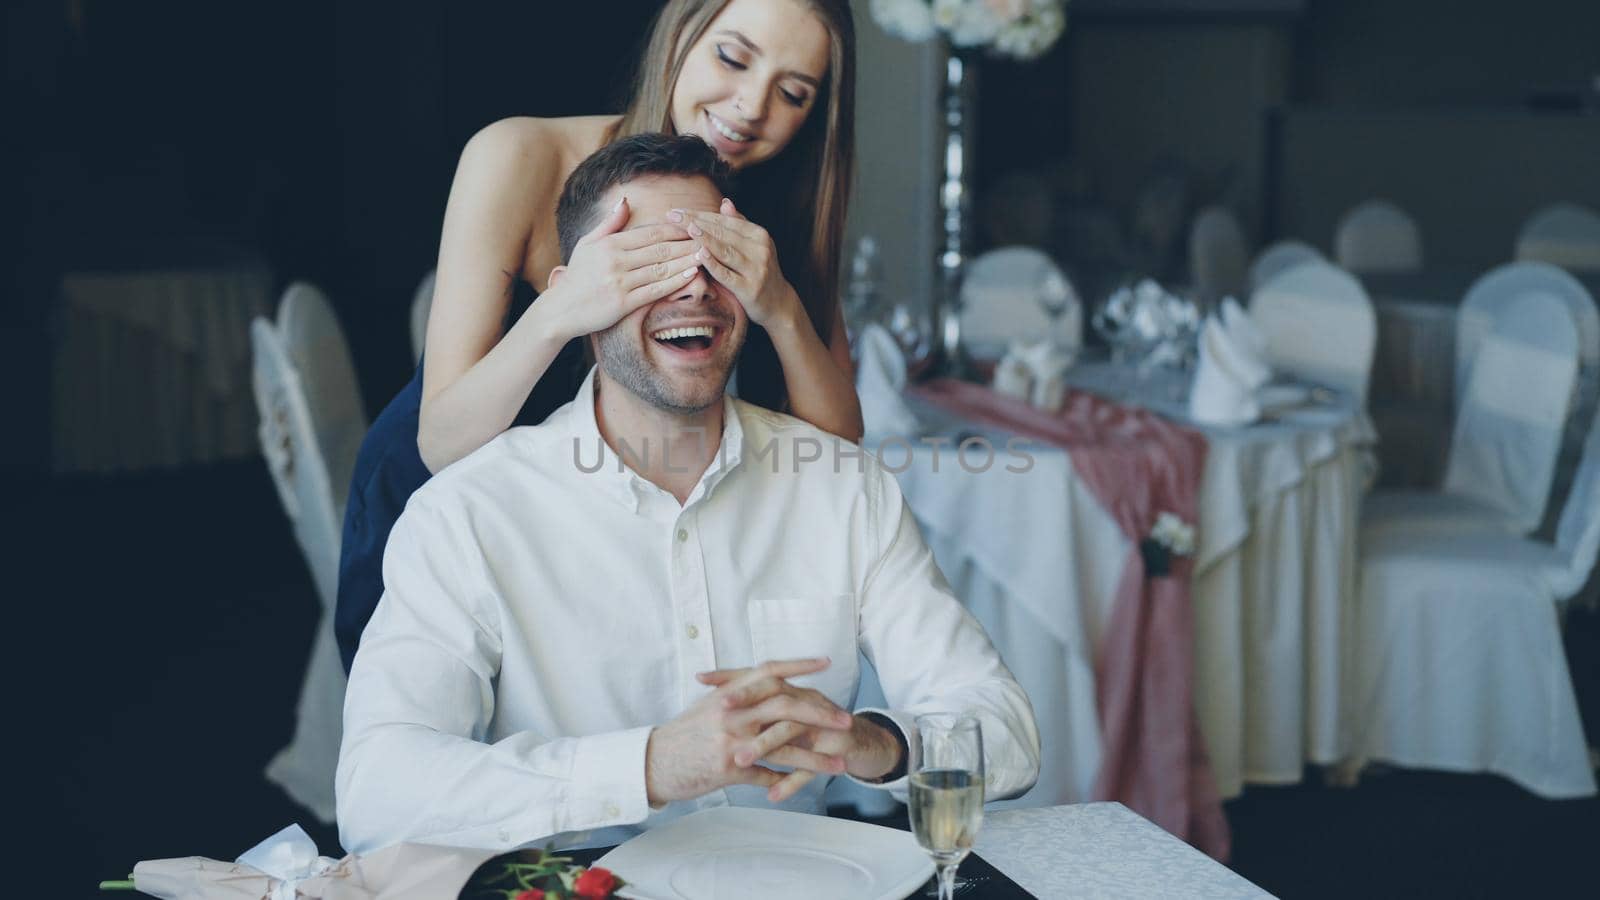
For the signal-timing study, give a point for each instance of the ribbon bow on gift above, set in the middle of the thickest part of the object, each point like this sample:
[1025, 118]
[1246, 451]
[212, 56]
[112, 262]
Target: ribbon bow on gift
[1035, 373]
[274, 869]
[288, 858]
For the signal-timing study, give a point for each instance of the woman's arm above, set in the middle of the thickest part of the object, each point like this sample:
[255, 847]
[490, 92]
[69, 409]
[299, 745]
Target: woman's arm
[818, 376]
[474, 380]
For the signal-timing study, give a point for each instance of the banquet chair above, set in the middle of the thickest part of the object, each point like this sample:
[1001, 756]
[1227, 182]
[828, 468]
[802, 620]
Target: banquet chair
[1219, 257]
[1457, 661]
[421, 304]
[310, 406]
[1521, 277]
[317, 347]
[1507, 434]
[1319, 325]
[1377, 236]
[1562, 234]
[1006, 295]
[1281, 257]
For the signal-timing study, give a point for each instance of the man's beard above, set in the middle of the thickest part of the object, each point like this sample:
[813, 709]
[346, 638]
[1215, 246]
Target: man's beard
[625, 362]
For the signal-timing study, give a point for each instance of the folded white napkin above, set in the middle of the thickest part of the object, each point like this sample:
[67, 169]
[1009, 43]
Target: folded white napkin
[1230, 369]
[1034, 372]
[880, 379]
[1012, 378]
[1243, 330]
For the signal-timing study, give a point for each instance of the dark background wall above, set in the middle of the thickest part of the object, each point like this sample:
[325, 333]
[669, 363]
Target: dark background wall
[321, 134]
[1270, 108]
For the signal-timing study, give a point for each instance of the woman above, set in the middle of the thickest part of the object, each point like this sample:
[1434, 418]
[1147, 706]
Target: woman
[770, 84]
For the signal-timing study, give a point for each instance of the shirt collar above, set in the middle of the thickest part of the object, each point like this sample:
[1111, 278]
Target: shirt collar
[620, 481]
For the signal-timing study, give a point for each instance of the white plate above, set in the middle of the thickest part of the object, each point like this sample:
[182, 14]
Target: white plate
[737, 852]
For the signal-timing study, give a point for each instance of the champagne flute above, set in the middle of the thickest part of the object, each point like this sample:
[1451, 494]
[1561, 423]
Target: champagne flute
[947, 792]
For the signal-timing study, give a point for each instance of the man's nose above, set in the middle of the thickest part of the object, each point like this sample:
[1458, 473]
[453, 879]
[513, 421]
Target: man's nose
[700, 288]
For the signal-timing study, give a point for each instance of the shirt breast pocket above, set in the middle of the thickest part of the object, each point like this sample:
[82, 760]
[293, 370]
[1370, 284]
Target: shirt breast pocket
[800, 627]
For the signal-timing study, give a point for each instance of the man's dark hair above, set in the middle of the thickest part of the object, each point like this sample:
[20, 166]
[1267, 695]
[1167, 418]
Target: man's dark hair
[622, 161]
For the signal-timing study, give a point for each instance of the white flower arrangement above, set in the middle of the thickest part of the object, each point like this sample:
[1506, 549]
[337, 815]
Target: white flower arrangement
[1174, 534]
[1023, 29]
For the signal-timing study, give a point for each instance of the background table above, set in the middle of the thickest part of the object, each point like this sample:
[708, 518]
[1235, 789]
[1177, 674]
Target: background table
[151, 367]
[1036, 559]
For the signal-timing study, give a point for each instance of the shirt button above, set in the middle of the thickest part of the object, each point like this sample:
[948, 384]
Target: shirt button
[683, 535]
[612, 811]
[693, 632]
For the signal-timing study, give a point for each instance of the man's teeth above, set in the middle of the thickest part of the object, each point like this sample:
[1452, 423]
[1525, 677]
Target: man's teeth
[725, 131]
[667, 334]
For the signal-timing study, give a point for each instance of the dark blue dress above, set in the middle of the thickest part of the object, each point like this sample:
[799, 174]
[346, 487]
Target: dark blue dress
[389, 468]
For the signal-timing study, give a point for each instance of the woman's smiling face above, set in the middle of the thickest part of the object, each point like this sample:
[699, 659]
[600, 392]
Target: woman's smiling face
[748, 84]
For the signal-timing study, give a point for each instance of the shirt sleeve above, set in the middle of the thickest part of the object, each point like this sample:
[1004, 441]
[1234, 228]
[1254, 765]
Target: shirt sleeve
[931, 655]
[414, 764]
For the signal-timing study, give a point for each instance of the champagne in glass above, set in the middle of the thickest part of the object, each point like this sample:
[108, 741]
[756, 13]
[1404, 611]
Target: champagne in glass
[947, 792]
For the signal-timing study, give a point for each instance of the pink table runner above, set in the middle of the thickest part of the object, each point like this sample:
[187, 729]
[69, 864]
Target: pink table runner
[1138, 466]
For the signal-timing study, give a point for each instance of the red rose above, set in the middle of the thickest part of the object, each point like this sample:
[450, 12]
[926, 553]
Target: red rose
[595, 883]
[531, 894]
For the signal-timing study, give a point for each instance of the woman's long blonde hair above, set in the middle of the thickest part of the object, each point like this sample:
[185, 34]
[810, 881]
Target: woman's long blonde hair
[800, 196]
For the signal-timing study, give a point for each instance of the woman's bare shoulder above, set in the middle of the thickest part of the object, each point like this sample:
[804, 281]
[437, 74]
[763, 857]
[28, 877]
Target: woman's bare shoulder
[541, 142]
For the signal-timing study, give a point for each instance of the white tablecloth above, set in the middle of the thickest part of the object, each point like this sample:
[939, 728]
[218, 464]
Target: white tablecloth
[1036, 558]
[152, 368]
[1100, 850]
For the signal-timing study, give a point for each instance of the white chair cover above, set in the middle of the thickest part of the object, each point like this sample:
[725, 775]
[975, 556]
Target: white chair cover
[421, 304]
[1477, 311]
[1563, 234]
[1002, 300]
[1509, 424]
[316, 345]
[305, 768]
[1578, 532]
[312, 424]
[1320, 326]
[1499, 285]
[1377, 236]
[1458, 661]
[1281, 257]
[1508, 430]
[1219, 256]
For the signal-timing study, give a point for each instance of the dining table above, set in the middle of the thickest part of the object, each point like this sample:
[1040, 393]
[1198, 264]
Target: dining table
[1036, 557]
[1102, 850]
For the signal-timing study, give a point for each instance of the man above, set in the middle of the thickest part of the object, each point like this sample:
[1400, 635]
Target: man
[644, 605]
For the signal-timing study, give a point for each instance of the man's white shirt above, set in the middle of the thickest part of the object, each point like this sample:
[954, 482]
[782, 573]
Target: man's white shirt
[545, 607]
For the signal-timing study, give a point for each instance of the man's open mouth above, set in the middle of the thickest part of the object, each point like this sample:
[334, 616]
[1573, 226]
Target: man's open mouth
[690, 339]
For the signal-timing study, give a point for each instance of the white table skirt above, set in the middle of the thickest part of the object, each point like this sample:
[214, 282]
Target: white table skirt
[1036, 558]
[152, 369]
[1101, 850]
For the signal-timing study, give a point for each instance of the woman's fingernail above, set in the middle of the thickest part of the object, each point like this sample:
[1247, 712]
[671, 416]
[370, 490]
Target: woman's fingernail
[689, 272]
[695, 230]
[702, 253]
[675, 216]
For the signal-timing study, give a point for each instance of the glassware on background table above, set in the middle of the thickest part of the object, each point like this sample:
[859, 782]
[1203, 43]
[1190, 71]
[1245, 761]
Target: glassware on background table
[911, 324]
[1055, 295]
[946, 802]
